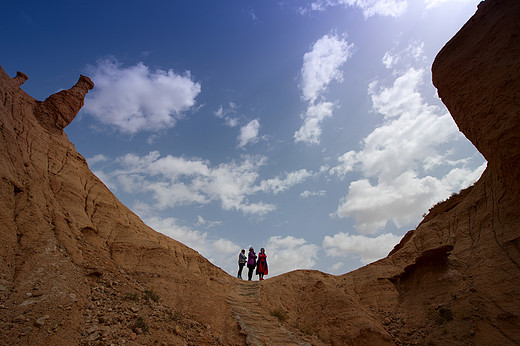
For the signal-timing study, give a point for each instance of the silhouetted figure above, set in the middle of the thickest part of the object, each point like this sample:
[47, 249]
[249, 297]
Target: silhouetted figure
[251, 263]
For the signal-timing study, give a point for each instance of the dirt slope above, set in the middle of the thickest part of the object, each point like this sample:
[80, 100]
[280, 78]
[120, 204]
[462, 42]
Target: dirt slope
[65, 238]
[78, 267]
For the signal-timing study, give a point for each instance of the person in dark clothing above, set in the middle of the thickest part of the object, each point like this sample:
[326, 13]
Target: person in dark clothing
[242, 259]
[251, 263]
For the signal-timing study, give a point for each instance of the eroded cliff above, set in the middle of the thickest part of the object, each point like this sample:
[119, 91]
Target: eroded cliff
[72, 255]
[78, 267]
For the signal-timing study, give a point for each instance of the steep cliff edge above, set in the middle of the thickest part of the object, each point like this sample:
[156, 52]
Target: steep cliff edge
[71, 253]
[456, 278]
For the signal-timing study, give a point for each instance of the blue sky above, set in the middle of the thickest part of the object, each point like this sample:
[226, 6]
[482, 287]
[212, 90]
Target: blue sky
[310, 128]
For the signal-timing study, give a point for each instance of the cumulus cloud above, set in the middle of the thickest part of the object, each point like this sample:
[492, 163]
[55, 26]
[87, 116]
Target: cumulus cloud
[398, 158]
[321, 66]
[176, 181]
[370, 8]
[96, 159]
[276, 185]
[289, 253]
[249, 133]
[136, 98]
[402, 200]
[310, 131]
[368, 249]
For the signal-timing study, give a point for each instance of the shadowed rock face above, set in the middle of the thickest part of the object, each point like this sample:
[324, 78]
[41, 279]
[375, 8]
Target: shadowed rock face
[78, 267]
[456, 278]
[476, 74]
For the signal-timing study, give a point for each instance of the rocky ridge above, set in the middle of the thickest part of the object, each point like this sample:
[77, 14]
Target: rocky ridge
[78, 267]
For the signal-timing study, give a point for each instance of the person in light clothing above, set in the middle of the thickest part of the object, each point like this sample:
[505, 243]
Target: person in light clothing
[242, 259]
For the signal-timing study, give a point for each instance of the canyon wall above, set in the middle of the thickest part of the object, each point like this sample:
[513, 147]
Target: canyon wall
[78, 267]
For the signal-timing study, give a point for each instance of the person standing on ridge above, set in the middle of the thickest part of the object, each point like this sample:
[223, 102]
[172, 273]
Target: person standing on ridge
[251, 263]
[242, 259]
[261, 265]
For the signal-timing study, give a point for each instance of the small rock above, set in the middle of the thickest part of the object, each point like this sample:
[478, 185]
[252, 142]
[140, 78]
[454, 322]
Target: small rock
[91, 330]
[133, 336]
[134, 309]
[41, 321]
[94, 336]
[20, 319]
[138, 330]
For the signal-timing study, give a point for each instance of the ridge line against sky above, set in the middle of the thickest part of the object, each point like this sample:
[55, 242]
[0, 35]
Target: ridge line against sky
[311, 129]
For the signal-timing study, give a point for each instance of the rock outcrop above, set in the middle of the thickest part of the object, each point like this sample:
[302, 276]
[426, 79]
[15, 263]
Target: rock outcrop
[78, 267]
[456, 278]
[71, 253]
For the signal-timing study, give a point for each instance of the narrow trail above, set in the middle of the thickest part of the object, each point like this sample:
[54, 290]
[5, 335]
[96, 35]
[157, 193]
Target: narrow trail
[259, 326]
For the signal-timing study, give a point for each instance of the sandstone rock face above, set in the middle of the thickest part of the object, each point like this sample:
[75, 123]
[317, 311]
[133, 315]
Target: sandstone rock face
[71, 252]
[456, 278]
[78, 267]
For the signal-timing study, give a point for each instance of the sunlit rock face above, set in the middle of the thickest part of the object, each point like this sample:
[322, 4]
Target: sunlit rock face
[71, 252]
[78, 267]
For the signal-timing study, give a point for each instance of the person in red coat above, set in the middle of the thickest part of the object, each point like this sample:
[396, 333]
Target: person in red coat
[261, 264]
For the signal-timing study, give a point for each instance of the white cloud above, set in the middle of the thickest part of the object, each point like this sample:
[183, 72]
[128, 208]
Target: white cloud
[289, 253]
[337, 268]
[412, 54]
[322, 65]
[310, 131]
[224, 113]
[97, 159]
[249, 133]
[206, 223]
[277, 185]
[367, 248]
[398, 158]
[402, 200]
[136, 98]
[176, 181]
[370, 8]
[307, 194]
